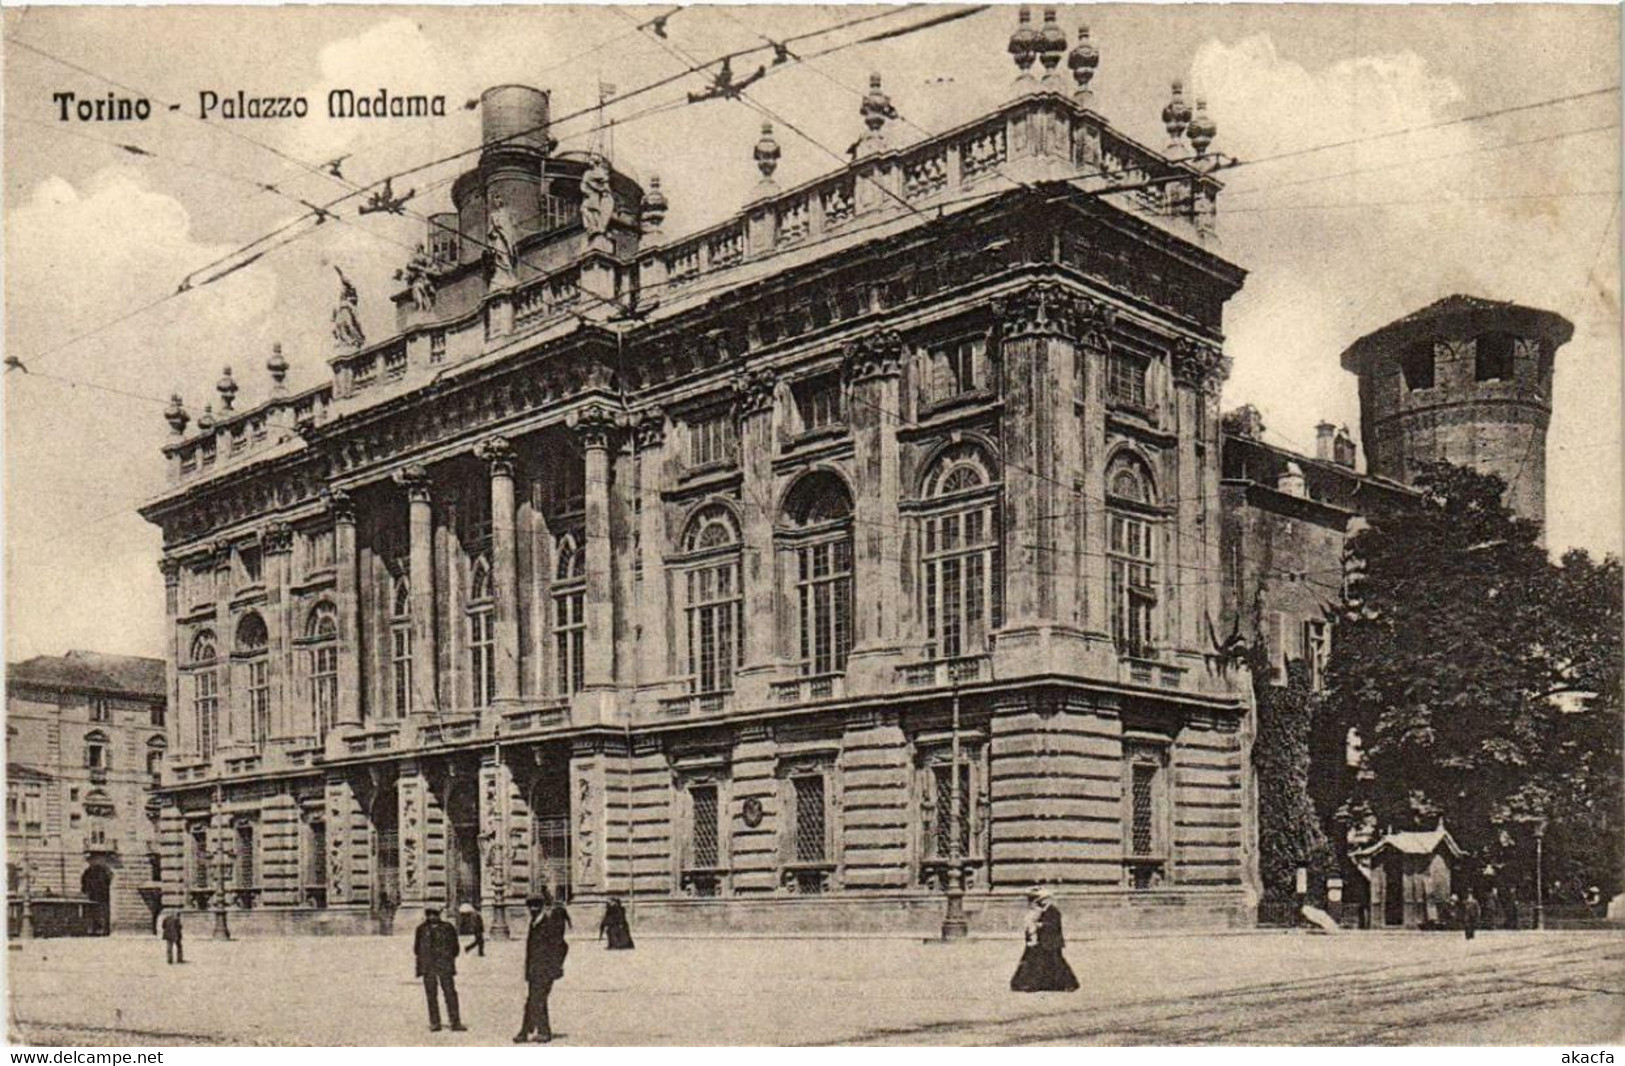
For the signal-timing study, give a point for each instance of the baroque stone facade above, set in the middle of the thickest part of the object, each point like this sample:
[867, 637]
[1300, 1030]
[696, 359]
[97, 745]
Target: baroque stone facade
[655, 568]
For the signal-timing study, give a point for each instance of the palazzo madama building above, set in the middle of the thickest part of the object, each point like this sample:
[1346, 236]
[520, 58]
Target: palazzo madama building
[656, 566]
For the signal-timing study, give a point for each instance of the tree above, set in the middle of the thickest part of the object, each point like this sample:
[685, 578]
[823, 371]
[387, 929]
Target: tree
[1483, 681]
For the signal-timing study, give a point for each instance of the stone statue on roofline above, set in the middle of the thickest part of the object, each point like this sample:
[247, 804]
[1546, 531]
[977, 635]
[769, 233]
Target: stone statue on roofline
[418, 275]
[500, 237]
[346, 325]
[597, 200]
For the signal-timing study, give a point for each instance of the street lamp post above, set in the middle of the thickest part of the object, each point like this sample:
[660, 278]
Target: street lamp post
[954, 926]
[499, 863]
[25, 929]
[222, 930]
[1540, 874]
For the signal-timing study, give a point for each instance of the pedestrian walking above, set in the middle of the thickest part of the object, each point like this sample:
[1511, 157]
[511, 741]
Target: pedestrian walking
[473, 924]
[1043, 968]
[436, 945]
[615, 928]
[545, 949]
[1470, 913]
[172, 937]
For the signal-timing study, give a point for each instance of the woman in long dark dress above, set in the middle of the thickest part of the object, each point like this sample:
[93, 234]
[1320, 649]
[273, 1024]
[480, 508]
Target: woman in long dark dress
[1043, 968]
[615, 928]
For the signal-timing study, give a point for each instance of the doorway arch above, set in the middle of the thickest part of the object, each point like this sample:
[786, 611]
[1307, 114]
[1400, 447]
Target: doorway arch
[97, 885]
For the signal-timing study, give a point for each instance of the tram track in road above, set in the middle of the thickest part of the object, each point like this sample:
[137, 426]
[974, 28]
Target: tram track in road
[1295, 1011]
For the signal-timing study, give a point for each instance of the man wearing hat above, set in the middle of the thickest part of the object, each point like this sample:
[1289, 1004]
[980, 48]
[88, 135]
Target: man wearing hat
[470, 921]
[545, 949]
[436, 945]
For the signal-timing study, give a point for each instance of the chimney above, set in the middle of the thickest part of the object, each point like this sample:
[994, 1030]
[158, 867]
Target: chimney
[1343, 449]
[1323, 441]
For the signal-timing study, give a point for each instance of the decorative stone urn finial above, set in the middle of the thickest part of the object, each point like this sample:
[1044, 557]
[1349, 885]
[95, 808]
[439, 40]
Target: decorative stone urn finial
[175, 414]
[655, 206]
[767, 156]
[1084, 59]
[1024, 44]
[227, 388]
[278, 368]
[1051, 46]
[205, 421]
[1176, 115]
[1202, 129]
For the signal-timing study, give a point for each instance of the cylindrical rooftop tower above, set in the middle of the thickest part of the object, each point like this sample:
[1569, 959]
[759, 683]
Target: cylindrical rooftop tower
[1465, 380]
[514, 116]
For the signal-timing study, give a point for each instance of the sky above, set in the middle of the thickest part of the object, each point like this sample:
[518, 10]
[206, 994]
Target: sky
[1522, 206]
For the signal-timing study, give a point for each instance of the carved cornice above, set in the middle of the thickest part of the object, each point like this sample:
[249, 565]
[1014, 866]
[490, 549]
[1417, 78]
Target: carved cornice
[1199, 365]
[1050, 309]
[878, 354]
[650, 431]
[595, 425]
[754, 391]
[498, 454]
[276, 537]
[416, 481]
[339, 504]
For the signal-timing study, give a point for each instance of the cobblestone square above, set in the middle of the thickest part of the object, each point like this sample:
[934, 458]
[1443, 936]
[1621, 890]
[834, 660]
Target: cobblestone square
[1243, 988]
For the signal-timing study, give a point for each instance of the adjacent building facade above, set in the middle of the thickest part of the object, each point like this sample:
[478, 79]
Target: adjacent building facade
[670, 568]
[86, 735]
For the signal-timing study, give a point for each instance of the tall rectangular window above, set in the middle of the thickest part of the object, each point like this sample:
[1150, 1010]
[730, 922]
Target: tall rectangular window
[1125, 380]
[101, 710]
[1416, 363]
[1317, 648]
[704, 838]
[324, 687]
[1142, 826]
[824, 591]
[811, 833]
[714, 621]
[954, 367]
[200, 855]
[482, 656]
[1492, 357]
[819, 402]
[259, 700]
[1131, 553]
[942, 832]
[400, 667]
[961, 567]
[247, 864]
[570, 639]
[206, 711]
[313, 870]
[713, 440]
[319, 550]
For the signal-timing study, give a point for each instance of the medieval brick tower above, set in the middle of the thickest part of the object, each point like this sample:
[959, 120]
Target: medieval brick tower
[1466, 380]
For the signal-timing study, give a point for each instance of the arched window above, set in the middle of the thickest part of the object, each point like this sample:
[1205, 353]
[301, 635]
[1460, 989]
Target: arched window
[252, 645]
[713, 602]
[482, 665]
[400, 646]
[569, 616]
[961, 581]
[1131, 552]
[322, 632]
[96, 750]
[205, 694]
[819, 513]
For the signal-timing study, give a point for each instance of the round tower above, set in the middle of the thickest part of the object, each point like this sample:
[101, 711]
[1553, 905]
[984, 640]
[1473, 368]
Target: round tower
[1465, 380]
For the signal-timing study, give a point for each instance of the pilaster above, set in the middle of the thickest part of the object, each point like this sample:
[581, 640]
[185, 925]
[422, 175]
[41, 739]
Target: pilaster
[649, 438]
[498, 455]
[279, 851]
[755, 813]
[420, 579]
[755, 395]
[651, 810]
[873, 367]
[342, 508]
[597, 426]
[875, 821]
[276, 548]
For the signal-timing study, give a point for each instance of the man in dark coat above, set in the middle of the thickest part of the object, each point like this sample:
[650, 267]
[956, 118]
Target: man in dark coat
[545, 949]
[172, 937]
[473, 925]
[435, 946]
[1470, 913]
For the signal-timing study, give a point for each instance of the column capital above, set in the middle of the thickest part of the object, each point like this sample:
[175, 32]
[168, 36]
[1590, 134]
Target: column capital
[1199, 365]
[754, 391]
[171, 569]
[596, 425]
[875, 355]
[1050, 309]
[340, 504]
[276, 537]
[416, 481]
[498, 454]
[220, 553]
[650, 430]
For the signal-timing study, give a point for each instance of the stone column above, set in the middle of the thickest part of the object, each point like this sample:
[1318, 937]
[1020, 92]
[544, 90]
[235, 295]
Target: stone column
[276, 547]
[220, 564]
[348, 588]
[596, 426]
[1093, 352]
[499, 455]
[755, 394]
[873, 366]
[422, 842]
[420, 579]
[651, 589]
[178, 738]
[1198, 373]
